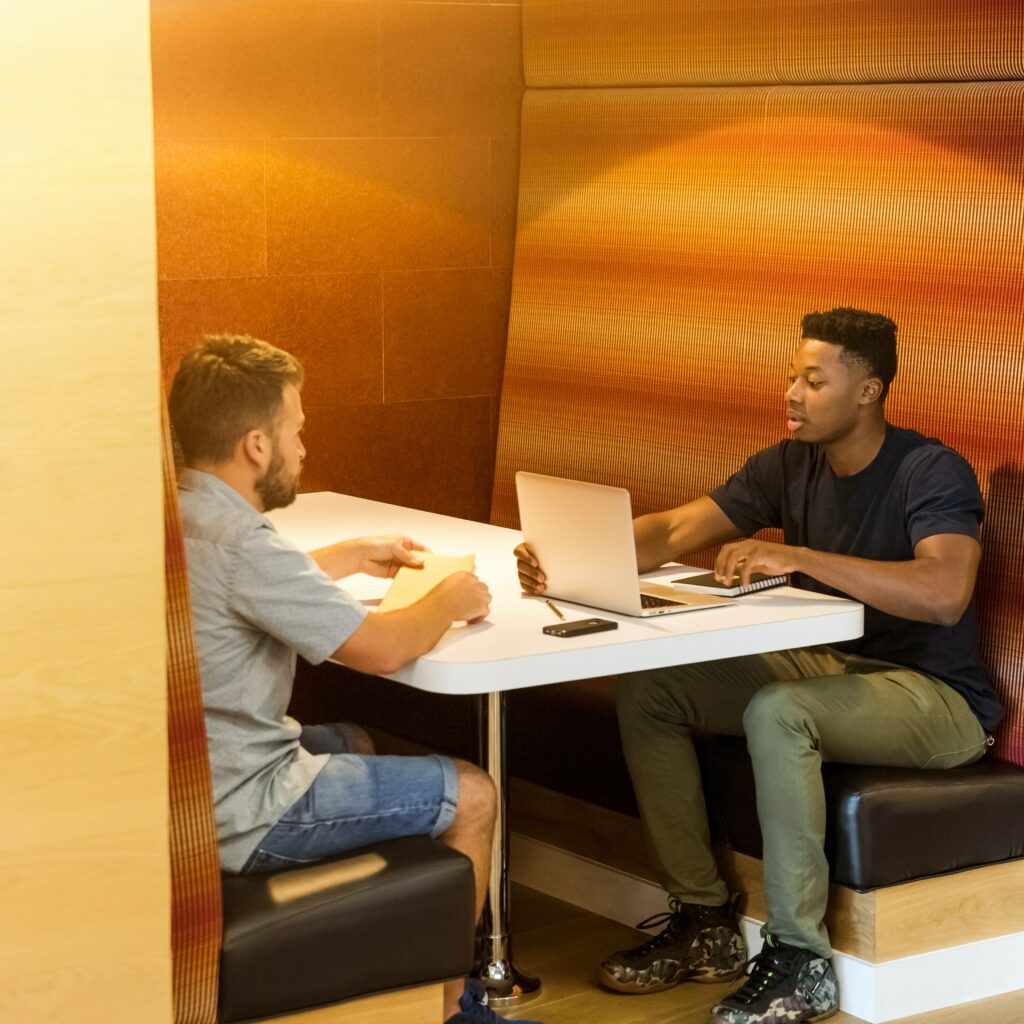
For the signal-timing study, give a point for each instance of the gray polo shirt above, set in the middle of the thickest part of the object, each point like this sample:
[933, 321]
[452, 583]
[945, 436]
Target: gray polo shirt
[256, 601]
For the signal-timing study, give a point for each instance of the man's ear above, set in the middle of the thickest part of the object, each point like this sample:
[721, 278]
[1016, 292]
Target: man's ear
[871, 391]
[256, 446]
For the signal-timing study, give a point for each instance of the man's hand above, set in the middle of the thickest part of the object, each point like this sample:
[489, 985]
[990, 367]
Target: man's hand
[745, 557]
[384, 556]
[531, 578]
[386, 641]
[466, 597]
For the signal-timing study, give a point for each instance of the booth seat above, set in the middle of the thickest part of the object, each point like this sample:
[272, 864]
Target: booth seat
[681, 207]
[885, 825]
[395, 917]
[683, 200]
[383, 917]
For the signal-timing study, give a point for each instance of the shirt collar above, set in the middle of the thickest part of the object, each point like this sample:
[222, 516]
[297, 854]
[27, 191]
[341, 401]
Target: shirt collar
[206, 483]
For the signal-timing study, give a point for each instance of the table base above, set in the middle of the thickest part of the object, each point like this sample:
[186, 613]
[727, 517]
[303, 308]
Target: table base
[506, 985]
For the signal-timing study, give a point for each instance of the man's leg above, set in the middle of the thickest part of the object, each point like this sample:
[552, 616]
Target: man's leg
[701, 940]
[471, 833]
[866, 715]
[656, 713]
[465, 809]
[892, 717]
[472, 826]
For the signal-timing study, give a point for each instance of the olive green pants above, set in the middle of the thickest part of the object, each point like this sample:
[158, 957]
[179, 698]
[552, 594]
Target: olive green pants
[797, 709]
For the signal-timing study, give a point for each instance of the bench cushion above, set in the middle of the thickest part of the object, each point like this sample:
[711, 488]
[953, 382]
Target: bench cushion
[382, 917]
[885, 825]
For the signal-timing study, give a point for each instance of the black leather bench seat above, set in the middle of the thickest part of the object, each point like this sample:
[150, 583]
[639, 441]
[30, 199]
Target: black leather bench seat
[885, 825]
[386, 916]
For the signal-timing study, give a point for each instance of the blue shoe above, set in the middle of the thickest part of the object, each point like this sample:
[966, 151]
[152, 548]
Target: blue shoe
[473, 1008]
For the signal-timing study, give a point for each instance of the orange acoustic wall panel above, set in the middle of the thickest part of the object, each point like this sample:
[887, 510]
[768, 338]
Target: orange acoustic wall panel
[340, 178]
[732, 42]
[670, 240]
[196, 922]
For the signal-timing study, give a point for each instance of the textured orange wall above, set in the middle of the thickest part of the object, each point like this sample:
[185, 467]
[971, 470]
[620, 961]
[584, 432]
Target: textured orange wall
[669, 240]
[606, 43]
[340, 178]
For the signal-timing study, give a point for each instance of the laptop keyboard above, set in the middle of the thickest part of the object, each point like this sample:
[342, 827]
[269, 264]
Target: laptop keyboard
[650, 601]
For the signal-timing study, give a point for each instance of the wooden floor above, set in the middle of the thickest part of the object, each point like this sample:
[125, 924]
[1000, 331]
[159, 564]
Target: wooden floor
[563, 944]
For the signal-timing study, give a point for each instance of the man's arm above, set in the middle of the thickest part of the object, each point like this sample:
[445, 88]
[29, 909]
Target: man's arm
[934, 586]
[385, 641]
[666, 536]
[376, 556]
[660, 537]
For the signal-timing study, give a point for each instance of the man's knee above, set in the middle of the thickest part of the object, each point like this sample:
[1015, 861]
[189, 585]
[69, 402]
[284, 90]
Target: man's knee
[640, 693]
[673, 696]
[478, 801]
[777, 708]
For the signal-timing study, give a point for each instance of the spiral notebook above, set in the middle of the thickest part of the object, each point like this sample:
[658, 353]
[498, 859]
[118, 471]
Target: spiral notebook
[705, 583]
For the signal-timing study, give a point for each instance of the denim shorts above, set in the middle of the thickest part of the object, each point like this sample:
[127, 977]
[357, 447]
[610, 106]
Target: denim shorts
[358, 799]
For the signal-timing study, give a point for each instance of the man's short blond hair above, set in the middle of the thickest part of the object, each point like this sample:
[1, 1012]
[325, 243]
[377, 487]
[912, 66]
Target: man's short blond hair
[225, 387]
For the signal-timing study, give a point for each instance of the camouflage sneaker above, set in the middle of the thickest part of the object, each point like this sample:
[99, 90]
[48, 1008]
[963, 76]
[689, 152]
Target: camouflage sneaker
[698, 944]
[786, 985]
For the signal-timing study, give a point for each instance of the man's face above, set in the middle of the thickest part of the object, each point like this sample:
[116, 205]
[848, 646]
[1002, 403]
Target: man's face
[280, 483]
[825, 392]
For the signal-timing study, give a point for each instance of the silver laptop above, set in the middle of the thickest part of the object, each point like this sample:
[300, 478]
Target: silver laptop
[582, 535]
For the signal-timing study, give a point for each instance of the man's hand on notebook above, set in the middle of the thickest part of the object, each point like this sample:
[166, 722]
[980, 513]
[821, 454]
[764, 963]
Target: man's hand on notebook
[531, 578]
[745, 557]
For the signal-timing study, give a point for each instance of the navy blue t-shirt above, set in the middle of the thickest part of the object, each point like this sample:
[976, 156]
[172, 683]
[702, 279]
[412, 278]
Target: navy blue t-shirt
[915, 487]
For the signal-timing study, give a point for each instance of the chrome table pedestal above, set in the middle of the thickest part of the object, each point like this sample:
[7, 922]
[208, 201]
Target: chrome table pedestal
[506, 985]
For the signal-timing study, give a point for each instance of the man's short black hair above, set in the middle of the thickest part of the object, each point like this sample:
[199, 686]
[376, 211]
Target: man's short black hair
[870, 338]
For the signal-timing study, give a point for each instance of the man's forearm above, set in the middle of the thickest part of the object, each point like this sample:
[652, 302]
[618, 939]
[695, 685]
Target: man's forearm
[664, 536]
[921, 589]
[338, 560]
[386, 641]
[417, 629]
[652, 534]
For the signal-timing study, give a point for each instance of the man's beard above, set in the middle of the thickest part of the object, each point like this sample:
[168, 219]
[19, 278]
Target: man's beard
[276, 490]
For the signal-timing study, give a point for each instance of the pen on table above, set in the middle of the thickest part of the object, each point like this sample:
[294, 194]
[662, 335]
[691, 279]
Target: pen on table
[555, 610]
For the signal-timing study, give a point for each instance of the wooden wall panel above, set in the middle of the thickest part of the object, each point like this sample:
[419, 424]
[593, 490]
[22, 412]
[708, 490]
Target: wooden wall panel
[314, 157]
[83, 791]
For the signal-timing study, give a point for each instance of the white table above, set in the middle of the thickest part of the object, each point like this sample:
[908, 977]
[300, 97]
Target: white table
[509, 651]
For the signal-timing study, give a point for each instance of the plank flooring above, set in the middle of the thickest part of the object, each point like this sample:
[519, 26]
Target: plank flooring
[563, 945]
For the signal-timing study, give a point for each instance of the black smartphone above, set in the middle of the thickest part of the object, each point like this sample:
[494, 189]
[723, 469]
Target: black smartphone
[580, 627]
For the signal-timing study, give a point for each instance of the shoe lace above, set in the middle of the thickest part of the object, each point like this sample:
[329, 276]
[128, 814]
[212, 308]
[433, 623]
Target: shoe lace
[675, 919]
[768, 972]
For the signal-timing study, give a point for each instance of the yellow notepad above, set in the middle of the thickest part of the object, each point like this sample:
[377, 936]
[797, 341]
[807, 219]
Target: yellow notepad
[410, 584]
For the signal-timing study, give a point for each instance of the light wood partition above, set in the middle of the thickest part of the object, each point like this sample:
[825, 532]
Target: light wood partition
[83, 790]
